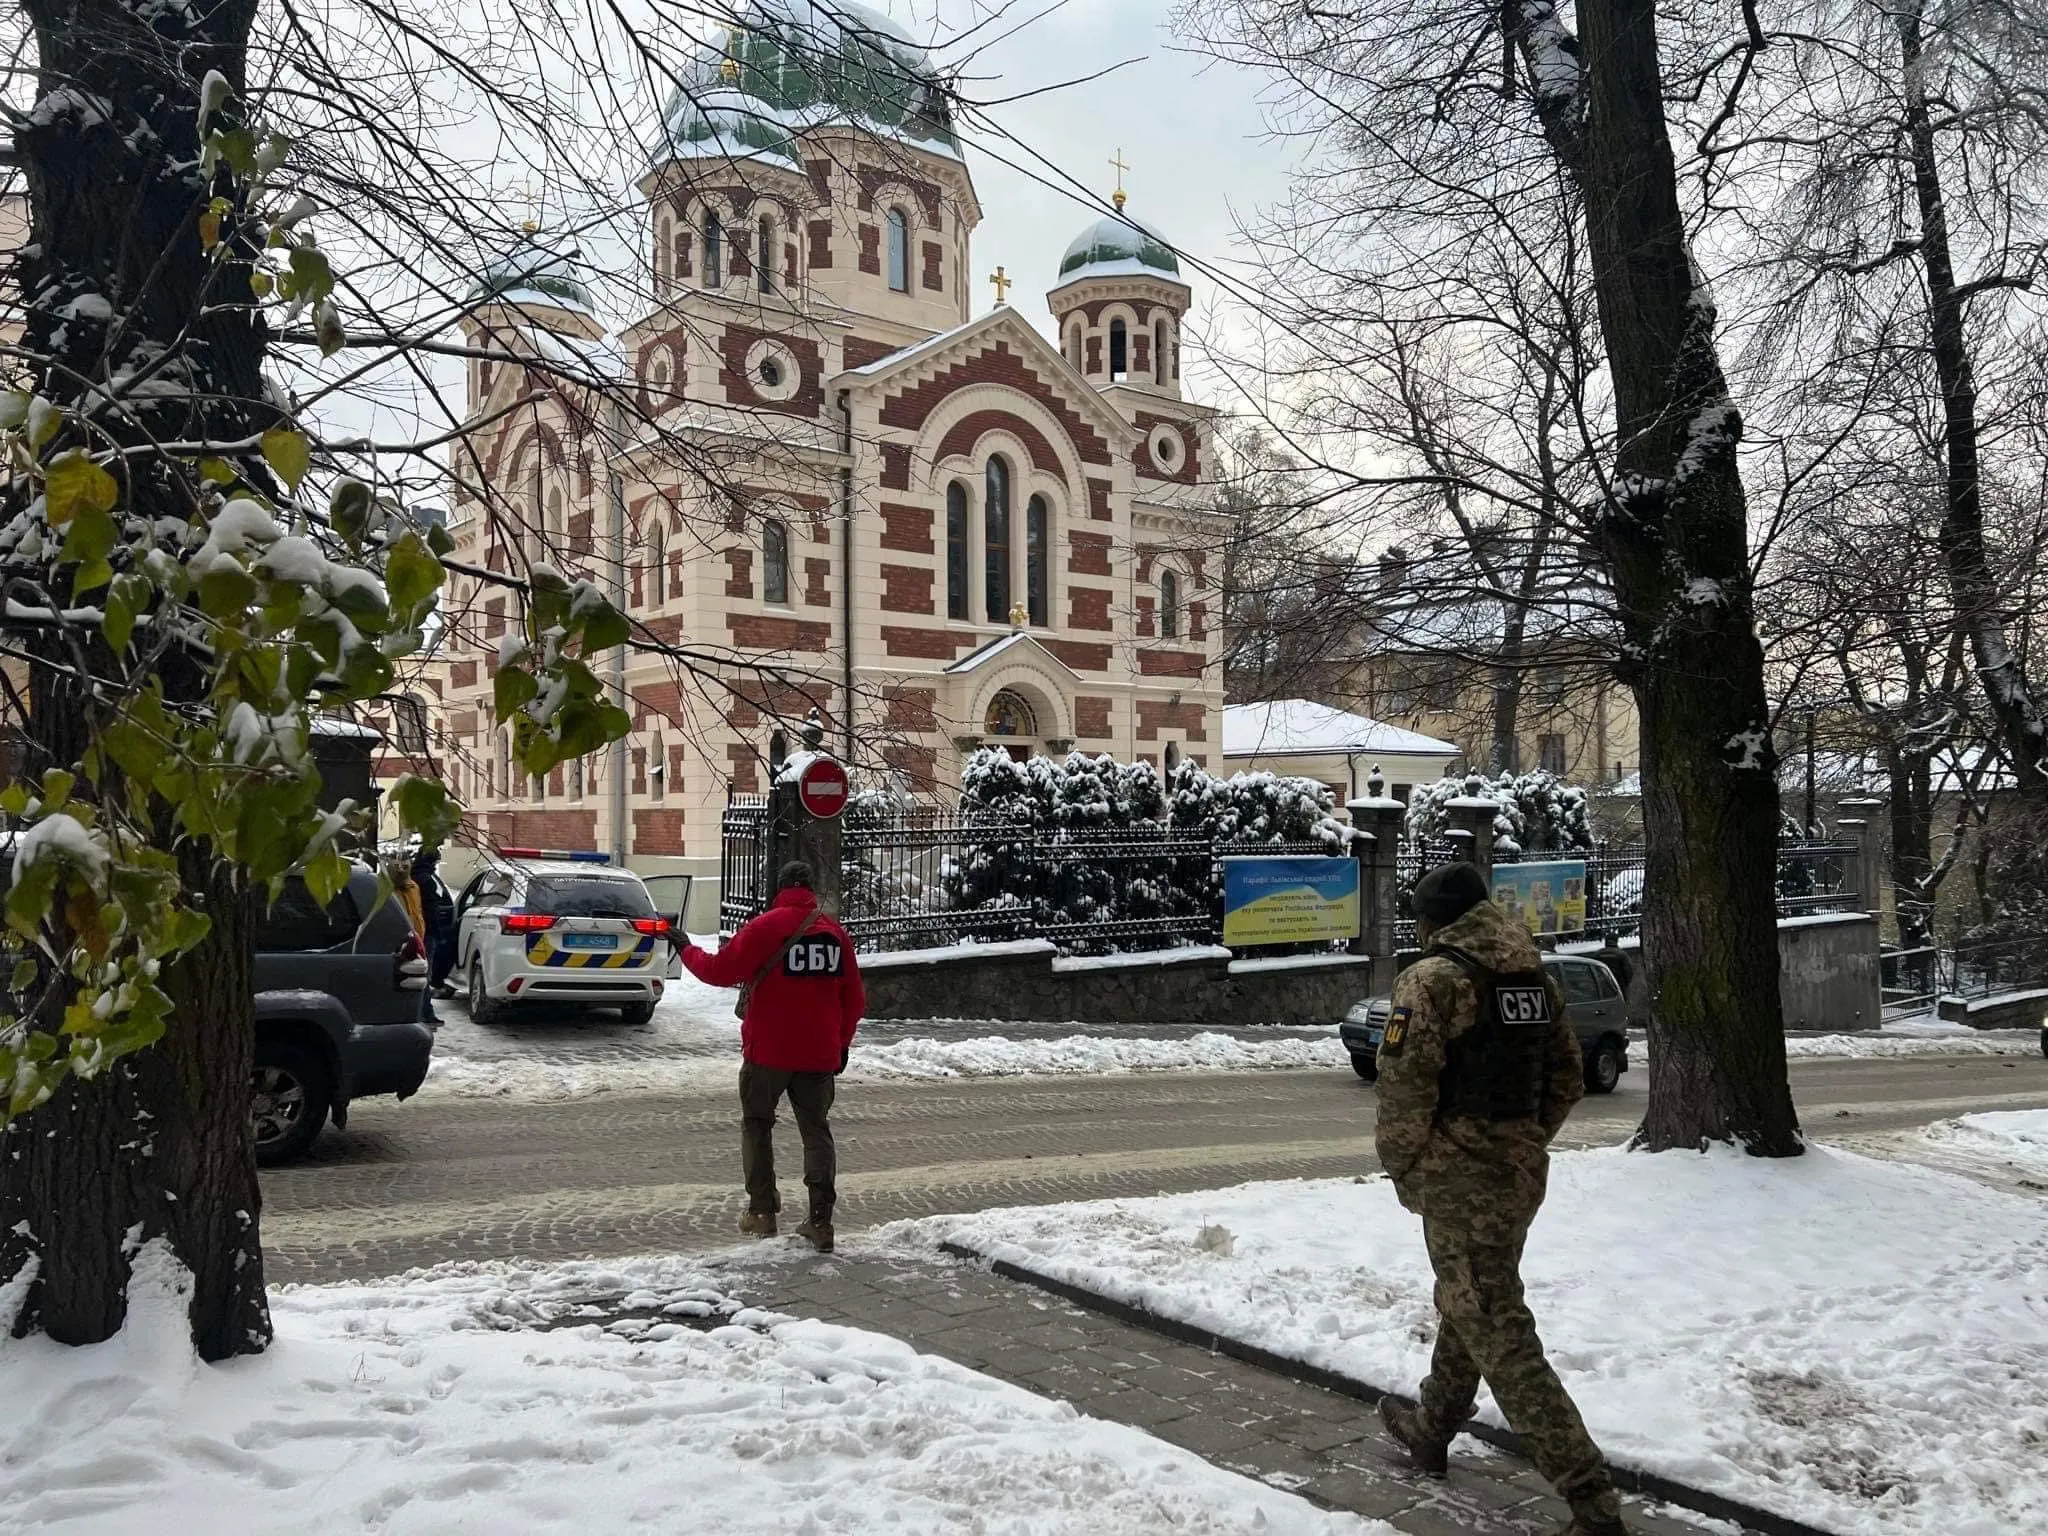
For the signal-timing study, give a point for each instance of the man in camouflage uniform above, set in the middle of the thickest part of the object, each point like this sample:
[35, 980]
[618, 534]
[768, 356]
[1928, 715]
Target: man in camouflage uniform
[1477, 1070]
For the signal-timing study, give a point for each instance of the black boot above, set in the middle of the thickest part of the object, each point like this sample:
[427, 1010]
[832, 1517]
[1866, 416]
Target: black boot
[1429, 1453]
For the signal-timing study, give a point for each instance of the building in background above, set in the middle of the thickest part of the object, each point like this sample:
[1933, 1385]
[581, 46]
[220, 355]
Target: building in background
[935, 528]
[1332, 746]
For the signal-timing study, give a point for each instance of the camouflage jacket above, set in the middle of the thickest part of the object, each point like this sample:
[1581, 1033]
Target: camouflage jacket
[1459, 1162]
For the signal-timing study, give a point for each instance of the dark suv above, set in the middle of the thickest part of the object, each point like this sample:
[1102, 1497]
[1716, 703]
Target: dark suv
[1594, 1001]
[337, 1012]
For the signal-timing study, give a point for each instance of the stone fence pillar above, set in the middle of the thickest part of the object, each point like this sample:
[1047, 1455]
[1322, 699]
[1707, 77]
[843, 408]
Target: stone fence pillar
[1471, 834]
[793, 832]
[1861, 822]
[1377, 819]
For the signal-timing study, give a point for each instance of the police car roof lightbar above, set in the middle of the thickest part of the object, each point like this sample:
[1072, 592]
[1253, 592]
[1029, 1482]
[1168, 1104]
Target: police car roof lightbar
[570, 855]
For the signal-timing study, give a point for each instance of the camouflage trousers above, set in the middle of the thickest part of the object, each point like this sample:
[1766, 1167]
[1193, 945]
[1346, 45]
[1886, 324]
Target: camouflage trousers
[1485, 1329]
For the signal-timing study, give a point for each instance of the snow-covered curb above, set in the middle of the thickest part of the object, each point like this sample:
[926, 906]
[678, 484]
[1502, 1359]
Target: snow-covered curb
[1967, 1042]
[1849, 1342]
[2016, 1139]
[430, 1405]
[544, 1080]
[995, 1056]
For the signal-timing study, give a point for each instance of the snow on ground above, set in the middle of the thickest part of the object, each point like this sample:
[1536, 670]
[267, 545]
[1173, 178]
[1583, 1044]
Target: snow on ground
[1852, 1342]
[548, 1078]
[1969, 1042]
[995, 1056]
[2016, 1139]
[432, 1404]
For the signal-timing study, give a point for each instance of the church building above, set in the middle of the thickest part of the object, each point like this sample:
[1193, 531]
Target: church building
[934, 527]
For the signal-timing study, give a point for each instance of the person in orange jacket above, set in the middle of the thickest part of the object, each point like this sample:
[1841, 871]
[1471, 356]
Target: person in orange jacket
[801, 1000]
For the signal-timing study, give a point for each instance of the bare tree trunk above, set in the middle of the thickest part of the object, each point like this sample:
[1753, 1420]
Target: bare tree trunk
[1676, 543]
[1979, 614]
[159, 1146]
[1911, 783]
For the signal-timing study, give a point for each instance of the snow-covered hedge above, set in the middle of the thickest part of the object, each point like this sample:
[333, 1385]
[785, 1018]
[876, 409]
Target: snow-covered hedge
[1057, 808]
[1539, 812]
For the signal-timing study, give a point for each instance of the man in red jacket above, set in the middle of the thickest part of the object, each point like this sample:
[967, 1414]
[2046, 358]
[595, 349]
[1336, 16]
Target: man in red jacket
[800, 1002]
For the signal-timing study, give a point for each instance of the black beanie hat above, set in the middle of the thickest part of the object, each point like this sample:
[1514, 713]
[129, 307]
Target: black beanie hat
[1448, 892]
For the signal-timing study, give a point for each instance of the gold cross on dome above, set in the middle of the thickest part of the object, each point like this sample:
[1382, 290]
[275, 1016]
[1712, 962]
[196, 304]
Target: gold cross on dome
[1118, 164]
[1003, 282]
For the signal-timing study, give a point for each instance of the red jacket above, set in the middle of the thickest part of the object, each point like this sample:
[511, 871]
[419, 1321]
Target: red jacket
[804, 1011]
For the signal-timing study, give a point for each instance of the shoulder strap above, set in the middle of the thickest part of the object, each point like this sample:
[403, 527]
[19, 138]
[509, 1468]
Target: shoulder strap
[782, 950]
[1481, 975]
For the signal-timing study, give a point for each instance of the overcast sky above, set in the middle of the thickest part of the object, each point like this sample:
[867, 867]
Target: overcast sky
[1189, 129]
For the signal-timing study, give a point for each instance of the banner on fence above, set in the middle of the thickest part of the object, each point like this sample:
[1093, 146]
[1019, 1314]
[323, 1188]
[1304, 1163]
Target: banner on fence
[1548, 897]
[1275, 900]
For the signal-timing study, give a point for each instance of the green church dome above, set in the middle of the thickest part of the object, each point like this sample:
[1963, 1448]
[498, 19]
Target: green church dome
[798, 64]
[533, 272]
[1118, 245]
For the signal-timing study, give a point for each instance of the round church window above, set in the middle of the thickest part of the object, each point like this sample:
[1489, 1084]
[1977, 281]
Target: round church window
[773, 369]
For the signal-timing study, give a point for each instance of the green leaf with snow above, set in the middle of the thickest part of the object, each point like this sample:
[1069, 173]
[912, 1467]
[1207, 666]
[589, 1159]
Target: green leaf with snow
[512, 688]
[226, 591]
[426, 809]
[73, 484]
[326, 876]
[348, 508]
[411, 573]
[87, 542]
[605, 629]
[288, 453]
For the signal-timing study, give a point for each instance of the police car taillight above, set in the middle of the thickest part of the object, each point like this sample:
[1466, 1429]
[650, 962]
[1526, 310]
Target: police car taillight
[650, 925]
[525, 922]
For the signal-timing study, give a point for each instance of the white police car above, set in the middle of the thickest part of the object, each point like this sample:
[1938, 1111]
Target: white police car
[567, 928]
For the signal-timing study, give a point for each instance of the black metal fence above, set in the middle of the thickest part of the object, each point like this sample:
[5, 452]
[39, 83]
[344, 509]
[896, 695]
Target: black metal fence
[1914, 980]
[922, 877]
[743, 873]
[1812, 878]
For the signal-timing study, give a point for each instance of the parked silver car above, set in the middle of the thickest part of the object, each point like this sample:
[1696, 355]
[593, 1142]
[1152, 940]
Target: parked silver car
[1595, 1001]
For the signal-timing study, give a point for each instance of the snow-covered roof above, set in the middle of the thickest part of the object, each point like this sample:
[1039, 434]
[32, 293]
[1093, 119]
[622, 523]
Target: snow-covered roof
[531, 271]
[725, 123]
[1017, 639]
[1304, 728]
[788, 66]
[337, 725]
[1118, 245]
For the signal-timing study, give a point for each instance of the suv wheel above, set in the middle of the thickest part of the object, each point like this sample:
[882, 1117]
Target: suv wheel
[1603, 1067]
[637, 1013]
[290, 1093]
[1366, 1064]
[483, 1008]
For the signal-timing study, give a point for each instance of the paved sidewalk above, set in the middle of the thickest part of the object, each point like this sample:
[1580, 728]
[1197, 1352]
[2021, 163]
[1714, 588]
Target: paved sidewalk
[1324, 1446]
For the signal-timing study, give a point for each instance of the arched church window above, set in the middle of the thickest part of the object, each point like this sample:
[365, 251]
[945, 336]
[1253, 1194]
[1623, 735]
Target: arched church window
[1037, 537]
[764, 256]
[657, 566]
[899, 250]
[657, 769]
[995, 536]
[1169, 605]
[664, 237]
[714, 251]
[1160, 369]
[956, 551]
[1074, 344]
[679, 253]
[774, 562]
[554, 514]
[1009, 714]
[1119, 349]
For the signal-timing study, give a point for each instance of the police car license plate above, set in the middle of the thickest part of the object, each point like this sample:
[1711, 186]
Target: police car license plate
[590, 941]
[1373, 1032]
